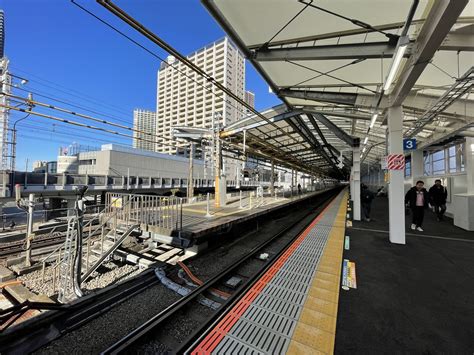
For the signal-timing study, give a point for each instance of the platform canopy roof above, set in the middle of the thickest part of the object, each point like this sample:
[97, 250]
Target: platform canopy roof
[328, 61]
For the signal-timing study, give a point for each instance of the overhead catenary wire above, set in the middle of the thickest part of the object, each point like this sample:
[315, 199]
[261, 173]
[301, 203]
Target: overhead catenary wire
[60, 109]
[75, 93]
[80, 124]
[46, 132]
[69, 103]
[227, 101]
[177, 55]
[162, 60]
[64, 129]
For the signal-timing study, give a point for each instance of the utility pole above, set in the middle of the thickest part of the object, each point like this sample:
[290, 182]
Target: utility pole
[4, 117]
[292, 180]
[26, 173]
[190, 177]
[29, 233]
[217, 170]
[4, 112]
[272, 179]
[220, 185]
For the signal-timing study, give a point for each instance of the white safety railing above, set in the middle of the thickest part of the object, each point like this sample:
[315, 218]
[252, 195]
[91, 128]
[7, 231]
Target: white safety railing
[164, 212]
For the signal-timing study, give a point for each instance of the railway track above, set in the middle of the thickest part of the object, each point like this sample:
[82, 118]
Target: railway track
[44, 237]
[12, 248]
[152, 336]
[65, 319]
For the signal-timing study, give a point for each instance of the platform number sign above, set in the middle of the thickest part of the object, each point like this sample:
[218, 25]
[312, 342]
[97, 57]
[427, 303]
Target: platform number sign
[409, 144]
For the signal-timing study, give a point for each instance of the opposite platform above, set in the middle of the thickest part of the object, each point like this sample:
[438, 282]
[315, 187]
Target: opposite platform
[198, 228]
[293, 306]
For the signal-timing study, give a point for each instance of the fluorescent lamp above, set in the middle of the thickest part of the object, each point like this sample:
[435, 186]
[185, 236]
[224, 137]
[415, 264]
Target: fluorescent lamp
[363, 150]
[397, 59]
[366, 140]
[374, 118]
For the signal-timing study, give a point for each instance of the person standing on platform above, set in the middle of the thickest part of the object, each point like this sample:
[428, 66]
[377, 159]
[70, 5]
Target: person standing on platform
[438, 195]
[417, 198]
[366, 197]
[299, 189]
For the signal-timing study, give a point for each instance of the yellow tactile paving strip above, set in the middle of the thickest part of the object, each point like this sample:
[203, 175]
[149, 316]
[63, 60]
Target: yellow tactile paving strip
[316, 329]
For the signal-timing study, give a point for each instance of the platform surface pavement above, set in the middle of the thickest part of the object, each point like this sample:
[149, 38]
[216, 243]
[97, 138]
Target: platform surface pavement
[195, 220]
[416, 298]
[292, 308]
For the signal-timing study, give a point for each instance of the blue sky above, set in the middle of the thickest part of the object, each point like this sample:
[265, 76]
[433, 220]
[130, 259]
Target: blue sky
[67, 54]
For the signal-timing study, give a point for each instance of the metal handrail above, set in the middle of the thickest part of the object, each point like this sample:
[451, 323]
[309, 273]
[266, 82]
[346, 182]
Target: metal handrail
[110, 251]
[61, 245]
[85, 240]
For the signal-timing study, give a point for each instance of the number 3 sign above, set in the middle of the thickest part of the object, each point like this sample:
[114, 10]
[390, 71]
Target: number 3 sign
[409, 144]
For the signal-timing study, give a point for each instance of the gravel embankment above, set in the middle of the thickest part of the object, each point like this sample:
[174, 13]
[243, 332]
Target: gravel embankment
[102, 332]
[112, 274]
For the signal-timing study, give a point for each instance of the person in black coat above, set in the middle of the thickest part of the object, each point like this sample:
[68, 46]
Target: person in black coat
[366, 197]
[417, 198]
[438, 195]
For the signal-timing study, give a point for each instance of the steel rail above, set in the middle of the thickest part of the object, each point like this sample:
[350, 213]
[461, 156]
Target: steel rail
[41, 330]
[138, 335]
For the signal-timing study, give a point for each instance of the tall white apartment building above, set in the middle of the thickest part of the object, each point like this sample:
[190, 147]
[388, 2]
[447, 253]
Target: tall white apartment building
[188, 100]
[145, 122]
[250, 99]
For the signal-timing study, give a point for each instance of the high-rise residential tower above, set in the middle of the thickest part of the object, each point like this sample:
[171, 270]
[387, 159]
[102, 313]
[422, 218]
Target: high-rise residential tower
[189, 100]
[2, 34]
[144, 121]
[250, 98]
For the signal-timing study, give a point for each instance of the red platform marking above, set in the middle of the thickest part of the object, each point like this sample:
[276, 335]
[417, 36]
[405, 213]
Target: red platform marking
[215, 336]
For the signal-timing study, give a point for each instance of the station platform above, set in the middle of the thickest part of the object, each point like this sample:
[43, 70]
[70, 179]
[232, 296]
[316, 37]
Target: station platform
[293, 306]
[200, 227]
[413, 298]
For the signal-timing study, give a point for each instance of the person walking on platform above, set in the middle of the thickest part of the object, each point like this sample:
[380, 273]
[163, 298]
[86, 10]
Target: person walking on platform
[366, 197]
[438, 195]
[299, 189]
[417, 198]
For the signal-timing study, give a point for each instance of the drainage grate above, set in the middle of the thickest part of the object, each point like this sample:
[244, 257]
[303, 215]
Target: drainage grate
[270, 320]
[229, 346]
[259, 337]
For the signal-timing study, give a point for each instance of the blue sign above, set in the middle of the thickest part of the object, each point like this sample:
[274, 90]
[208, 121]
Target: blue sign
[409, 144]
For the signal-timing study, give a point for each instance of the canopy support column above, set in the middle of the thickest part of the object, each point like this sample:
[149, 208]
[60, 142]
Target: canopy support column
[272, 179]
[417, 165]
[355, 182]
[396, 191]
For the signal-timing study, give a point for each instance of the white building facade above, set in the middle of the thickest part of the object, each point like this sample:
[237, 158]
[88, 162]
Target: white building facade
[184, 98]
[250, 100]
[188, 100]
[144, 125]
[116, 160]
